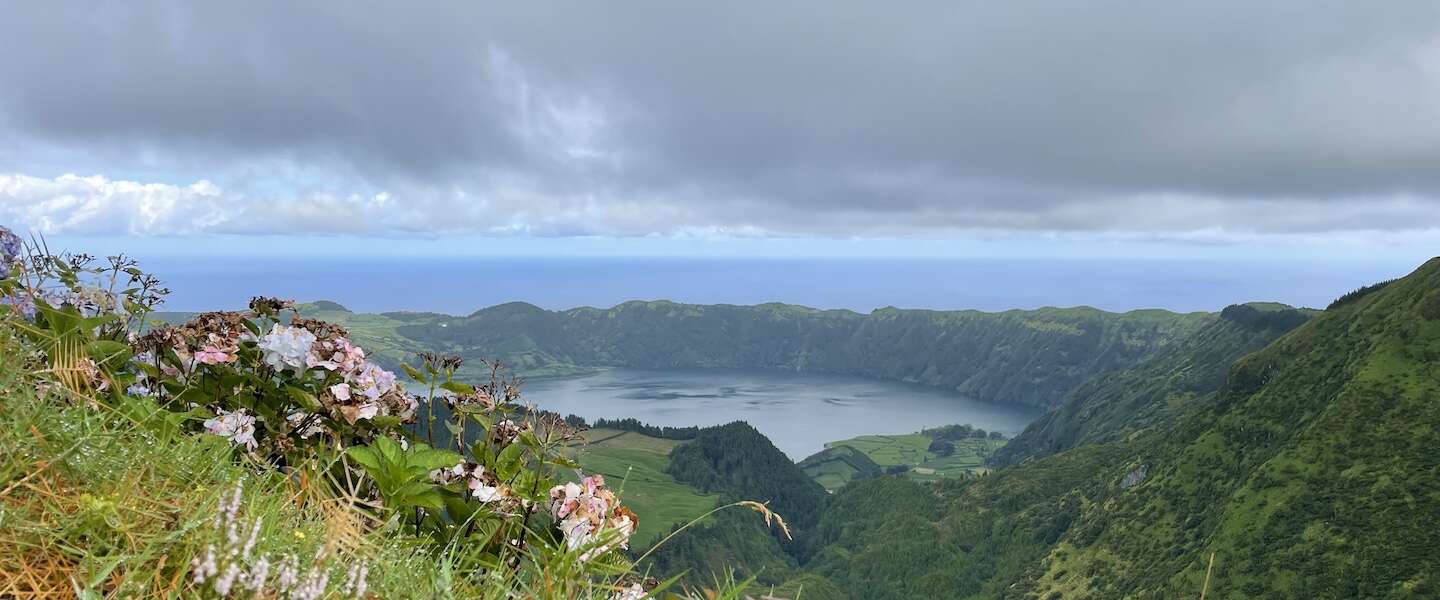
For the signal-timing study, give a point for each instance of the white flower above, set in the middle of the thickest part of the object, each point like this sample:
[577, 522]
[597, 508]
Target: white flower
[634, 592]
[341, 391]
[287, 347]
[237, 426]
[484, 493]
[373, 381]
[297, 418]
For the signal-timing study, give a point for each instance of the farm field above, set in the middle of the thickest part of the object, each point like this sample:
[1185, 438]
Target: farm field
[838, 464]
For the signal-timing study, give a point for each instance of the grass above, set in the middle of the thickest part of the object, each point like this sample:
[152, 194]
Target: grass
[911, 450]
[635, 465]
[113, 500]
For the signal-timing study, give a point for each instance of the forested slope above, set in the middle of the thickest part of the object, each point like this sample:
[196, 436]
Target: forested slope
[1115, 405]
[1033, 357]
[1312, 474]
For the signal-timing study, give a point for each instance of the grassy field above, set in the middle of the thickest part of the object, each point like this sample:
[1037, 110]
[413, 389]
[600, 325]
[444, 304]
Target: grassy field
[838, 465]
[834, 468]
[635, 465]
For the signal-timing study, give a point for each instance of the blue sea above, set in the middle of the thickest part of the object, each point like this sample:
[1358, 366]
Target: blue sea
[462, 286]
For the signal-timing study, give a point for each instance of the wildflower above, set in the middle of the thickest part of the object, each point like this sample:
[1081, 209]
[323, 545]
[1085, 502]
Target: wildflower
[139, 390]
[227, 580]
[258, 574]
[250, 542]
[355, 583]
[299, 535]
[237, 426]
[286, 347]
[288, 574]
[204, 568]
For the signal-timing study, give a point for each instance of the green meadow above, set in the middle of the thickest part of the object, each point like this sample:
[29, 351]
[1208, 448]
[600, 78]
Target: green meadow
[634, 465]
[868, 455]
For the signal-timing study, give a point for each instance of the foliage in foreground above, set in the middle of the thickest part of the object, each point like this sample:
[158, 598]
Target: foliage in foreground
[236, 456]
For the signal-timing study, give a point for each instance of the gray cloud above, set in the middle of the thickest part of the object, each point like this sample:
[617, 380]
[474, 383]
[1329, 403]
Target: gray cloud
[795, 117]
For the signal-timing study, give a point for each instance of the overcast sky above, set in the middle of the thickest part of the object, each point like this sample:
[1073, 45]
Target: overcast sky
[1222, 125]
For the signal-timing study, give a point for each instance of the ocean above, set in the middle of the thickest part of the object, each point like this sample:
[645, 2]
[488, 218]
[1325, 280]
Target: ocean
[460, 287]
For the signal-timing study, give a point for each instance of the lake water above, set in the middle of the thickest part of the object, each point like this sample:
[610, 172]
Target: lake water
[799, 412]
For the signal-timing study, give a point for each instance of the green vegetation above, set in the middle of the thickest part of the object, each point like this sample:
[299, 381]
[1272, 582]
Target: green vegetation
[838, 465]
[233, 456]
[1310, 473]
[1114, 406]
[924, 456]
[636, 465]
[1032, 357]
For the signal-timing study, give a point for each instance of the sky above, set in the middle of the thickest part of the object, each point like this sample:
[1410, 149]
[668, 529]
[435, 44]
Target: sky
[1293, 129]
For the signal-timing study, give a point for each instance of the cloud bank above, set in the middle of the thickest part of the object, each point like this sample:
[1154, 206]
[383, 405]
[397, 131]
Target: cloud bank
[791, 119]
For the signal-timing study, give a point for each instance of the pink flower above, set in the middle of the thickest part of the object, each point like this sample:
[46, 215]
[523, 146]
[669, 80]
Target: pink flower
[211, 355]
[341, 391]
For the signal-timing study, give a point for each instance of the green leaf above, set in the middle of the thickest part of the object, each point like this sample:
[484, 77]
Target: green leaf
[430, 499]
[564, 461]
[457, 388]
[509, 460]
[413, 373]
[486, 421]
[390, 451]
[365, 457]
[304, 398]
[430, 459]
[109, 354]
[386, 421]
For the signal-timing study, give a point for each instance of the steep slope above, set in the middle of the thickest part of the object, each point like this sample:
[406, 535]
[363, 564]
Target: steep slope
[1314, 474]
[1311, 474]
[1115, 405]
[1029, 357]
[740, 463]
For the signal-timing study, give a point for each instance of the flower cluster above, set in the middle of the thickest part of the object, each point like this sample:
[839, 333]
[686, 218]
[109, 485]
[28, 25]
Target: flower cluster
[11, 249]
[235, 426]
[233, 567]
[585, 511]
[272, 389]
[482, 484]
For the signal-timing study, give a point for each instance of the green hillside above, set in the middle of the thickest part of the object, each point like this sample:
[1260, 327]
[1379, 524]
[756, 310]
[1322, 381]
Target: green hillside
[1032, 357]
[1116, 405]
[1312, 474]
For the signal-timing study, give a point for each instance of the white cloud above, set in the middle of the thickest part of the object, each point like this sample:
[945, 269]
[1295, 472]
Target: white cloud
[507, 205]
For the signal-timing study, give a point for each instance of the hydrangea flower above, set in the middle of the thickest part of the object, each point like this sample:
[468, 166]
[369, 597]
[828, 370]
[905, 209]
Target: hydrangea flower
[287, 347]
[295, 419]
[483, 486]
[336, 354]
[10, 250]
[237, 426]
[373, 381]
[211, 355]
[586, 510]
